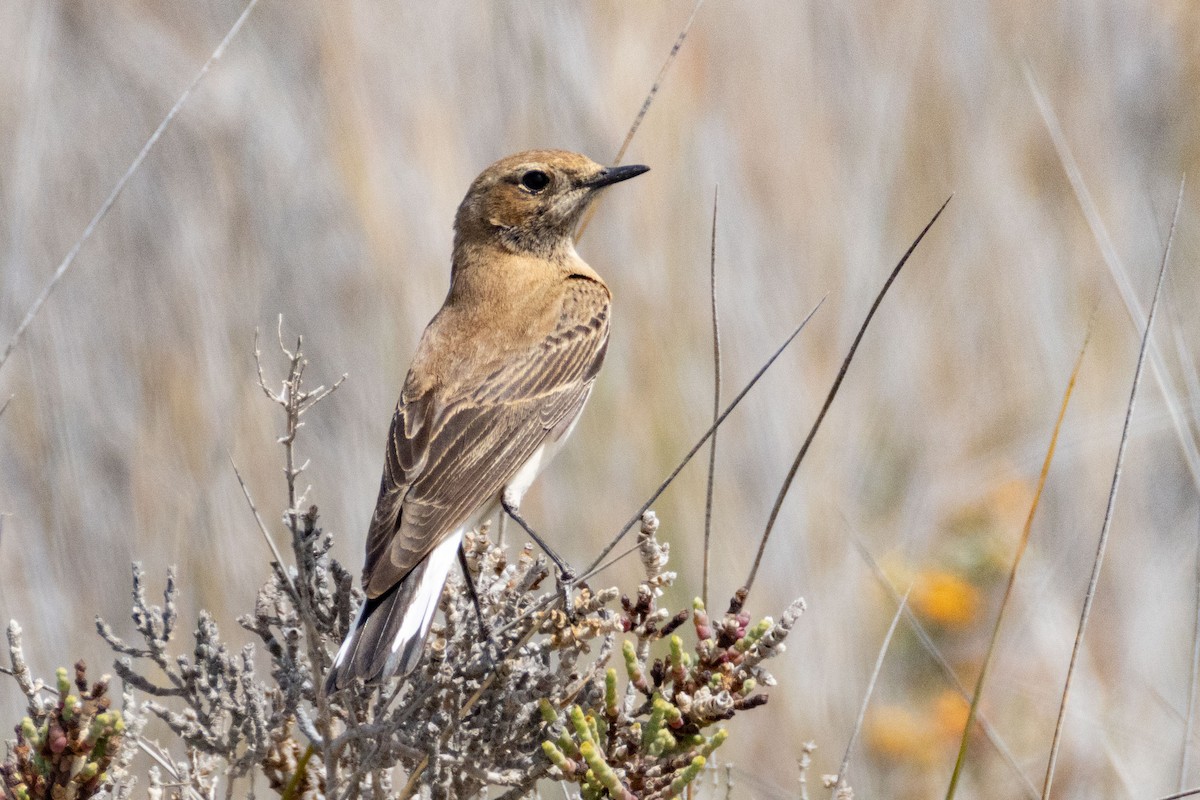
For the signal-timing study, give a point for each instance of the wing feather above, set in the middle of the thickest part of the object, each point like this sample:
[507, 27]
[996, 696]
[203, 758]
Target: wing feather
[448, 454]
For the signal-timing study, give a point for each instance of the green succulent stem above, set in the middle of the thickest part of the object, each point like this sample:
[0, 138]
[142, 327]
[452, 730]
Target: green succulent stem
[713, 742]
[611, 703]
[686, 775]
[754, 634]
[583, 730]
[654, 723]
[559, 759]
[678, 661]
[603, 772]
[633, 667]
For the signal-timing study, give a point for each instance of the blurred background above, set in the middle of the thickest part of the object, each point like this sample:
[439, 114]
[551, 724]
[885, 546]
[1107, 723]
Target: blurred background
[315, 174]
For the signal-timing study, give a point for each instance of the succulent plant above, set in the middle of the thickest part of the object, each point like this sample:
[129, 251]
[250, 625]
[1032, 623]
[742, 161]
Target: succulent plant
[63, 750]
[652, 739]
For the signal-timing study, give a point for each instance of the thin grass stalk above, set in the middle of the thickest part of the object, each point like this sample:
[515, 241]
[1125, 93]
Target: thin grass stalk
[1179, 795]
[1193, 679]
[598, 564]
[107, 205]
[961, 760]
[641, 115]
[712, 451]
[948, 672]
[279, 565]
[862, 710]
[636, 518]
[1102, 545]
[1192, 396]
[833, 390]
[1179, 419]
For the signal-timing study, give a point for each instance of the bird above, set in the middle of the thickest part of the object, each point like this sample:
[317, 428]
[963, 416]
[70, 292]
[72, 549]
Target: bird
[497, 383]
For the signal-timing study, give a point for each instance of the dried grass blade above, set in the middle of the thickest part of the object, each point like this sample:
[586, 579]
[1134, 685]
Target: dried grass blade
[637, 120]
[833, 390]
[712, 451]
[961, 760]
[1116, 268]
[1102, 545]
[948, 672]
[637, 517]
[862, 710]
[100, 214]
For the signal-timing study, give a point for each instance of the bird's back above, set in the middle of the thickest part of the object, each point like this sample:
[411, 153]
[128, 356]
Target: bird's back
[500, 376]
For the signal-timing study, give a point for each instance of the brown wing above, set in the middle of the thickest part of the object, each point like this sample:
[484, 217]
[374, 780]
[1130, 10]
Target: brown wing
[449, 455]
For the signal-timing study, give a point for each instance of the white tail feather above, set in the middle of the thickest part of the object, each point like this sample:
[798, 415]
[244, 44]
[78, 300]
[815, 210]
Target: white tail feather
[419, 615]
[344, 650]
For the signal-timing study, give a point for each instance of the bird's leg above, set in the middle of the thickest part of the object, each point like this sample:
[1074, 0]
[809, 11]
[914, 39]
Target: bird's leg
[466, 569]
[566, 575]
[510, 508]
[485, 630]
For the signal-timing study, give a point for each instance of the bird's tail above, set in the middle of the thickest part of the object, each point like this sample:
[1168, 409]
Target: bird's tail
[388, 636]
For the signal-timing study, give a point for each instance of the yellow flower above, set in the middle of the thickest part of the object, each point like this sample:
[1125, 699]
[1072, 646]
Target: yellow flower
[945, 599]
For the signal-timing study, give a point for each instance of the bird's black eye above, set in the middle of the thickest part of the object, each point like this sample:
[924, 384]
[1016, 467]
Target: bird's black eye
[535, 180]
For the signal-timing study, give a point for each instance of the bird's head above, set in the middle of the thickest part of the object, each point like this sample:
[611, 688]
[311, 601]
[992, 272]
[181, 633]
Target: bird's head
[531, 202]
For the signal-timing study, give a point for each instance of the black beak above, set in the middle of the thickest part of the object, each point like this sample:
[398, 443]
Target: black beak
[613, 175]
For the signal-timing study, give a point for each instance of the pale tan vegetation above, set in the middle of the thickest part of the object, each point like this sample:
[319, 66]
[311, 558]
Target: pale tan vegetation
[315, 172]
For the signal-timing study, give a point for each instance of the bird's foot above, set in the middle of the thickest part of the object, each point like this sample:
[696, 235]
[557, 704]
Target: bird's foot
[565, 580]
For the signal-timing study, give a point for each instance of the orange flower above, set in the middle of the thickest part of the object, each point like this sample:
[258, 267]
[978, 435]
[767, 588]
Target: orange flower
[950, 715]
[896, 733]
[945, 598]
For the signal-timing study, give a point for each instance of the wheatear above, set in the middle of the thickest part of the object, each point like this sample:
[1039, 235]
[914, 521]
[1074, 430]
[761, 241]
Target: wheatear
[498, 381]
